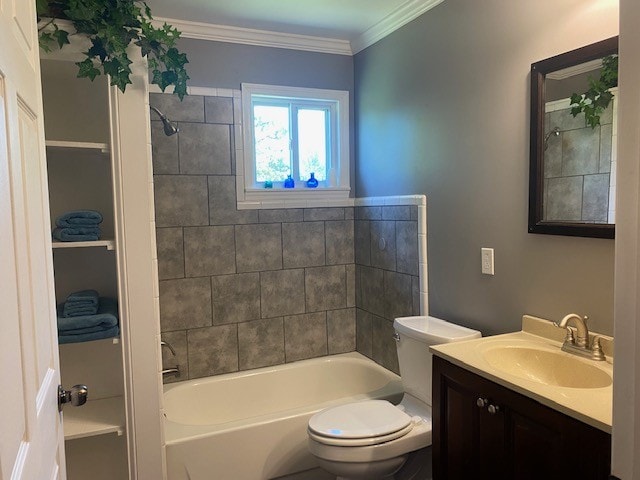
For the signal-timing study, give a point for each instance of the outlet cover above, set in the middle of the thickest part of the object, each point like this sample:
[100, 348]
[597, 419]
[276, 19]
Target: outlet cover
[487, 261]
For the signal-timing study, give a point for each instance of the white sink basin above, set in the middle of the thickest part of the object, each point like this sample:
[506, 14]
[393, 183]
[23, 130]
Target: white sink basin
[547, 367]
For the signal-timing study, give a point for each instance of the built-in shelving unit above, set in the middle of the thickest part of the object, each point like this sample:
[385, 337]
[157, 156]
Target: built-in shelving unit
[108, 244]
[80, 176]
[96, 417]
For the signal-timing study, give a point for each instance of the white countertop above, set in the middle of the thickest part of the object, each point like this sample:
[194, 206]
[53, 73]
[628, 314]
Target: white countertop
[592, 406]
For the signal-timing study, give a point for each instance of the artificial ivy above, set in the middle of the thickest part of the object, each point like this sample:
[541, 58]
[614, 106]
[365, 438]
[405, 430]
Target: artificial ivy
[598, 97]
[111, 26]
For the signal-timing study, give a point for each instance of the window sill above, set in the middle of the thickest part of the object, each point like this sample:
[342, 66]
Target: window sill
[295, 198]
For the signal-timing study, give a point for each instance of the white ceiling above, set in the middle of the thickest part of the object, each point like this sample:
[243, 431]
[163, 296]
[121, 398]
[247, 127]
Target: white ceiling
[347, 24]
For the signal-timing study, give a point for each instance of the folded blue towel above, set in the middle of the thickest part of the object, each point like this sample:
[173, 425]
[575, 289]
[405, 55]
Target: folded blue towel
[77, 234]
[106, 318]
[87, 337]
[90, 296]
[84, 302]
[76, 218]
[78, 310]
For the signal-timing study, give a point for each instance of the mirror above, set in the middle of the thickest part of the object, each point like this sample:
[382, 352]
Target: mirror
[572, 158]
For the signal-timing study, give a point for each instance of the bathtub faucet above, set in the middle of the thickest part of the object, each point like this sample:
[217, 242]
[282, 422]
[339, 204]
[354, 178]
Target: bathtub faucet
[174, 371]
[168, 345]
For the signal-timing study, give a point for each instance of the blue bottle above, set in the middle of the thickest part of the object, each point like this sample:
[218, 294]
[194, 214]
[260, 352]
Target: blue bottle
[289, 183]
[312, 182]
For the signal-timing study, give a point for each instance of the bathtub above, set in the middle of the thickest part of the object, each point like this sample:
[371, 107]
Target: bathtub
[252, 425]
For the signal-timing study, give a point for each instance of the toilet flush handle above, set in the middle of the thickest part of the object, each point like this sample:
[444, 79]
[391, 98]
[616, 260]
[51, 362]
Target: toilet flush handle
[396, 336]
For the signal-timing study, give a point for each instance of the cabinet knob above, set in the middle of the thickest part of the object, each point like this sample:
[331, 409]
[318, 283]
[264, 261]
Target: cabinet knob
[493, 409]
[482, 402]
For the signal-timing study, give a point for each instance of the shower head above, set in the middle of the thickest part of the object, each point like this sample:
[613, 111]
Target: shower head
[555, 132]
[169, 127]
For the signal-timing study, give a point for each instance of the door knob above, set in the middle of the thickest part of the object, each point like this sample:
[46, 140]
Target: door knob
[482, 402]
[76, 396]
[493, 409]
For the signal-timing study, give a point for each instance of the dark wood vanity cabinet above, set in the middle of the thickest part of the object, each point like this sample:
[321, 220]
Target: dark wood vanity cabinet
[485, 431]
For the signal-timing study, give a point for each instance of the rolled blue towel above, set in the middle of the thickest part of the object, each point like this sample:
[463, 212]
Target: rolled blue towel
[107, 317]
[77, 234]
[76, 218]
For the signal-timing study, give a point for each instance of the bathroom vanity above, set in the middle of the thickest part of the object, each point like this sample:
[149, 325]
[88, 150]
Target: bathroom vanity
[517, 422]
[484, 430]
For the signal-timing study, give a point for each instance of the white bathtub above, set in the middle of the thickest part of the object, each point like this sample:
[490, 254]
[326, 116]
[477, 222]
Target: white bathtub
[252, 425]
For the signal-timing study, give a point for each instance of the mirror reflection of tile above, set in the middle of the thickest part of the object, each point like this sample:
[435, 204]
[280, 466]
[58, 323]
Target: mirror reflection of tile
[579, 166]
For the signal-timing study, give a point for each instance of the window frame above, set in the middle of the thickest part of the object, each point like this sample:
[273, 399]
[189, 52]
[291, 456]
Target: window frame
[337, 186]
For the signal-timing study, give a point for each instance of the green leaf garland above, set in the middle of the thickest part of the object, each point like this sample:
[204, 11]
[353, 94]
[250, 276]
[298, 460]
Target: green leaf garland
[597, 98]
[111, 26]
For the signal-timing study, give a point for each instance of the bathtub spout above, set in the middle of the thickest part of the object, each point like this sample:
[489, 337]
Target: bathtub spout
[172, 371]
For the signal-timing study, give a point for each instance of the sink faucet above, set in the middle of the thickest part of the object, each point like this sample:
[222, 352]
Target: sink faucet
[580, 345]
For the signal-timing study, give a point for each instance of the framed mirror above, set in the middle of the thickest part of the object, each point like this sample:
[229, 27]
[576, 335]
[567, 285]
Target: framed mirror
[572, 149]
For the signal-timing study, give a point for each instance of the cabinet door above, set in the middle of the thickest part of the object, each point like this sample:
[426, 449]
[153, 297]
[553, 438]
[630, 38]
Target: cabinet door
[468, 441]
[522, 439]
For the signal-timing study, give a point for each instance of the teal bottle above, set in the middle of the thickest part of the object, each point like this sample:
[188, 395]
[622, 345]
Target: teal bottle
[313, 181]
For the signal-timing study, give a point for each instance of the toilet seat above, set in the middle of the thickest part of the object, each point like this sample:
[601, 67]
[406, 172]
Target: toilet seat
[419, 436]
[359, 442]
[369, 418]
[356, 424]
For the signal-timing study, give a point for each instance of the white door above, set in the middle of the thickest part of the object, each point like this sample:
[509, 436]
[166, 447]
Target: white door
[31, 436]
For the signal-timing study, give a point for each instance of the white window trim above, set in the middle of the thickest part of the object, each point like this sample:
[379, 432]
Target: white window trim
[249, 197]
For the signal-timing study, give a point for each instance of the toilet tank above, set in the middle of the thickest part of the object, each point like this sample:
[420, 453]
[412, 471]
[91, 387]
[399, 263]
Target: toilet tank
[415, 335]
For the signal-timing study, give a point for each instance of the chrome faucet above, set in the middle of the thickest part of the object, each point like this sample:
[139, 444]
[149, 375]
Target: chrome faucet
[580, 344]
[171, 371]
[175, 371]
[168, 345]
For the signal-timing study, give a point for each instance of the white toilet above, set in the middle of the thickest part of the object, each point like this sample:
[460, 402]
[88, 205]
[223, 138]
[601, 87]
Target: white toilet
[373, 439]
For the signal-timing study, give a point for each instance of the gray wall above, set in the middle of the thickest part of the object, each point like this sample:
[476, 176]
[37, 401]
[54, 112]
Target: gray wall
[442, 109]
[227, 65]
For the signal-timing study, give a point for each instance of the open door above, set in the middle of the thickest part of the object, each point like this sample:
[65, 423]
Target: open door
[31, 443]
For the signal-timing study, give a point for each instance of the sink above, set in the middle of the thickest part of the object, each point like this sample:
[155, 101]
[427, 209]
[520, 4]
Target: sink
[547, 367]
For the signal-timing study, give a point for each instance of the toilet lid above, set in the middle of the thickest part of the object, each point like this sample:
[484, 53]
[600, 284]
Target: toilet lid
[371, 418]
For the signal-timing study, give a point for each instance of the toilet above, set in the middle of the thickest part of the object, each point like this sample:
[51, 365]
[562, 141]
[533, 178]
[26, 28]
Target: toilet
[374, 439]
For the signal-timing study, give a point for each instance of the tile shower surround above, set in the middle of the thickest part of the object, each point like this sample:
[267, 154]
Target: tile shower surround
[254, 288]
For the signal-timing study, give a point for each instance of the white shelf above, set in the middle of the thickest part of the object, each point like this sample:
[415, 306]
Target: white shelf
[66, 145]
[108, 244]
[96, 417]
[83, 151]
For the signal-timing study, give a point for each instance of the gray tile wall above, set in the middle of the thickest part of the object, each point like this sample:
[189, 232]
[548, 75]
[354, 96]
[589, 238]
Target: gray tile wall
[577, 167]
[387, 281]
[244, 289]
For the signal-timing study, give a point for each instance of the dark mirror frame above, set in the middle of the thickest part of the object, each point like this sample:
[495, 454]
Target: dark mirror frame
[539, 70]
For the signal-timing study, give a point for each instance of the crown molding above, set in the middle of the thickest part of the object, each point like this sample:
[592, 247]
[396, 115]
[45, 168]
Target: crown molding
[262, 38]
[398, 18]
[575, 70]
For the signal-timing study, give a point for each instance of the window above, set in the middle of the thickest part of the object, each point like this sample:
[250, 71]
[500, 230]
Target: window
[296, 132]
